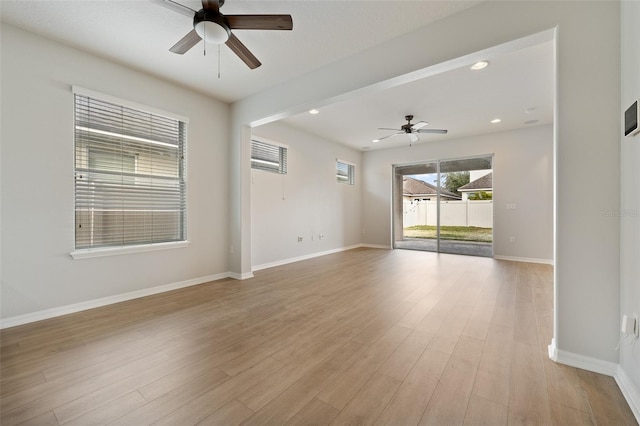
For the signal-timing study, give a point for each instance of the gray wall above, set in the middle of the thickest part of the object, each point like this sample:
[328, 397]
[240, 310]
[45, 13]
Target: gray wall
[305, 202]
[630, 194]
[38, 188]
[587, 264]
[522, 175]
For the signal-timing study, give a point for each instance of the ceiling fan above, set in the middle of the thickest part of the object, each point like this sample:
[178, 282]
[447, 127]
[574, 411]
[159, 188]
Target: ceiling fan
[214, 27]
[410, 130]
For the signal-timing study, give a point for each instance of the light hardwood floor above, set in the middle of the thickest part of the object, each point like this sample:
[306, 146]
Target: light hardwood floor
[361, 337]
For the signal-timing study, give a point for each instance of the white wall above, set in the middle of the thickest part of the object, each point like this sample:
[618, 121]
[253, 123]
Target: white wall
[630, 193]
[305, 202]
[37, 179]
[522, 175]
[587, 130]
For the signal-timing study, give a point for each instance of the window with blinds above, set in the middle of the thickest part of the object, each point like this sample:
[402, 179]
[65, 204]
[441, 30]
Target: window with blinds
[130, 174]
[269, 157]
[345, 172]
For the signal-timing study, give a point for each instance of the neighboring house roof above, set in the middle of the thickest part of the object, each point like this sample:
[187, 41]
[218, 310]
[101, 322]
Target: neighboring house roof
[484, 183]
[412, 187]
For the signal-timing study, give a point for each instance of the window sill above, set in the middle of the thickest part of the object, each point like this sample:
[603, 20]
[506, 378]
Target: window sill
[114, 251]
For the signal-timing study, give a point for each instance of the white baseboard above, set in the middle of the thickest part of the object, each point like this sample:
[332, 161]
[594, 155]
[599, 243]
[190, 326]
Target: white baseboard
[586, 363]
[109, 300]
[553, 350]
[524, 259]
[305, 257]
[630, 392]
[376, 246]
[237, 276]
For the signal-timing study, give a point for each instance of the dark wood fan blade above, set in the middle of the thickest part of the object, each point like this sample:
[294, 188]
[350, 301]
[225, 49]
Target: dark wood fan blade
[243, 53]
[260, 22]
[213, 5]
[176, 7]
[186, 43]
[438, 131]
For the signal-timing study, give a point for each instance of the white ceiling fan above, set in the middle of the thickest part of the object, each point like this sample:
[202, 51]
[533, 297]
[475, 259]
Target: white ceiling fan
[410, 130]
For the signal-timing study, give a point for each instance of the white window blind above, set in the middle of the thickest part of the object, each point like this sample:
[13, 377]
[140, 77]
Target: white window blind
[345, 172]
[130, 172]
[269, 157]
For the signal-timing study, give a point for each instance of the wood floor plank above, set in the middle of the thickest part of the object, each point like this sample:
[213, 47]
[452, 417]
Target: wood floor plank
[492, 387]
[209, 402]
[607, 403]
[293, 399]
[448, 404]
[393, 337]
[344, 388]
[564, 386]
[367, 405]
[528, 398]
[259, 395]
[231, 414]
[315, 413]
[404, 358]
[411, 399]
[562, 415]
[106, 413]
[171, 401]
[482, 412]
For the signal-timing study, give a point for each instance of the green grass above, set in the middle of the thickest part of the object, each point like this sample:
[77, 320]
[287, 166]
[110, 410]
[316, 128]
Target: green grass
[458, 233]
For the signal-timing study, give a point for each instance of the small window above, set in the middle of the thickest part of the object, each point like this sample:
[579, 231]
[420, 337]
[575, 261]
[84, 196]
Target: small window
[268, 157]
[130, 173]
[345, 172]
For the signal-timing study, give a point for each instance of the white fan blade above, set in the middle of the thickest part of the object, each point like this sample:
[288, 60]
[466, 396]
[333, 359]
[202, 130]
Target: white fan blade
[176, 7]
[389, 136]
[438, 131]
[419, 125]
[413, 138]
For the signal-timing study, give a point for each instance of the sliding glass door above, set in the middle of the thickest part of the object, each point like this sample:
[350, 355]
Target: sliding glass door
[445, 206]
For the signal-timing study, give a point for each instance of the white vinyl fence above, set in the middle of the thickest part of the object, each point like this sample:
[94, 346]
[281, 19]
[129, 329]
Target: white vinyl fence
[452, 213]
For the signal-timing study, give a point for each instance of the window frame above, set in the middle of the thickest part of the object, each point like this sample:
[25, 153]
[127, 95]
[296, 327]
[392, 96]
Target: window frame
[283, 154]
[351, 172]
[109, 250]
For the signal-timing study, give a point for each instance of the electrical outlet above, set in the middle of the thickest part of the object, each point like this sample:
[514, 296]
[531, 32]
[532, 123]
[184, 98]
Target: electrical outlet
[300, 239]
[629, 325]
[321, 236]
[512, 239]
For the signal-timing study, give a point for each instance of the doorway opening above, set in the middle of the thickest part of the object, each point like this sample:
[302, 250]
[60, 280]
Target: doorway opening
[444, 206]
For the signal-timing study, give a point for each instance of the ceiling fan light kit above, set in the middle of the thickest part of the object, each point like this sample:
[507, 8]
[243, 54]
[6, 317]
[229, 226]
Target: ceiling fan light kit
[213, 27]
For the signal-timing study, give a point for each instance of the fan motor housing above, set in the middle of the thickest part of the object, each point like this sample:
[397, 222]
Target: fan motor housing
[212, 16]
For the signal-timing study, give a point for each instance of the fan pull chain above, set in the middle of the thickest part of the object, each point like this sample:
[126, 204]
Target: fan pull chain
[218, 62]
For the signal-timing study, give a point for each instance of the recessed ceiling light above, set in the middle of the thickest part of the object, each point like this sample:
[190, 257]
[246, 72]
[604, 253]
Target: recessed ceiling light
[479, 65]
[314, 111]
[495, 121]
[375, 140]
